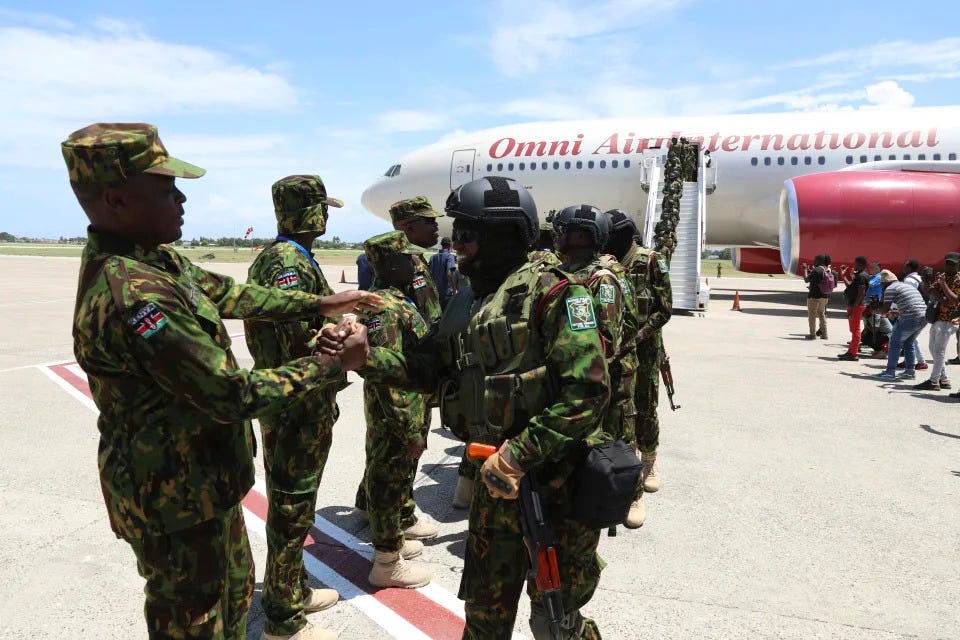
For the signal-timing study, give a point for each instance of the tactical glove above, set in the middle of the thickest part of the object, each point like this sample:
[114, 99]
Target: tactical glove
[501, 475]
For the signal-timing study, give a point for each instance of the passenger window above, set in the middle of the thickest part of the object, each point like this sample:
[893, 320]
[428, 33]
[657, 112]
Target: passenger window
[543, 165]
[780, 160]
[613, 163]
[626, 164]
[522, 165]
[906, 156]
[590, 164]
[579, 164]
[489, 168]
[863, 158]
[878, 158]
[821, 160]
[533, 166]
[952, 156]
[921, 156]
[766, 161]
[753, 161]
[794, 160]
[893, 157]
[936, 156]
[556, 165]
[566, 165]
[850, 161]
[807, 160]
[510, 167]
[499, 166]
[603, 164]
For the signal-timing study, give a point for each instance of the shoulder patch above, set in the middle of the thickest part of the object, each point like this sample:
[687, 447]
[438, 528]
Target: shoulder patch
[419, 281]
[625, 284]
[374, 324]
[288, 279]
[662, 264]
[148, 320]
[580, 313]
[608, 294]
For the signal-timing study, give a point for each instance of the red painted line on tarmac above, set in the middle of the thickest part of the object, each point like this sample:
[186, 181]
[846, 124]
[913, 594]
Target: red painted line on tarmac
[71, 378]
[426, 615]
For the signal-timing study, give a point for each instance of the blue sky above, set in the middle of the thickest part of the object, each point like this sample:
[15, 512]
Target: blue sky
[256, 91]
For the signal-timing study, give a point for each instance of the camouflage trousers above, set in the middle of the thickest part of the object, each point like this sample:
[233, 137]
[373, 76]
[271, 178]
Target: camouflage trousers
[620, 418]
[496, 564]
[294, 455]
[199, 580]
[386, 491]
[647, 396]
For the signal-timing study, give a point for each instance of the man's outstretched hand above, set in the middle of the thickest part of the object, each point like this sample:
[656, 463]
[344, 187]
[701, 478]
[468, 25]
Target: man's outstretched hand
[350, 302]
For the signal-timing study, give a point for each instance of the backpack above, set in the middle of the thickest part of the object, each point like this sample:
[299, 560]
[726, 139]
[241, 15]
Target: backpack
[827, 282]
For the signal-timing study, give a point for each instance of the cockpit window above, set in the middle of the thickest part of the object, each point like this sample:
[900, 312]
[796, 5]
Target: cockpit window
[392, 171]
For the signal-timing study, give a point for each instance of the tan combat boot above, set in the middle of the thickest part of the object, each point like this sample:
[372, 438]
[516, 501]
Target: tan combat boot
[421, 530]
[463, 496]
[651, 473]
[411, 549]
[319, 599]
[636, 515]
[391, 570]
[308, 632]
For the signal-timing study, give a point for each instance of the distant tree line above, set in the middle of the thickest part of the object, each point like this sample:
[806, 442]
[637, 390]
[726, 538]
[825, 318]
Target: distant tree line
[319, 243]
[722, 254]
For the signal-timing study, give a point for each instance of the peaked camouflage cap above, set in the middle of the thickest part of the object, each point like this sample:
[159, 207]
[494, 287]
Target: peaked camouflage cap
[418, 207]
[379, 248]
[110, 152]
[300, 203]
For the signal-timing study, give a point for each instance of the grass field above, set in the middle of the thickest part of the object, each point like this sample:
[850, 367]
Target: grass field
[708, 268]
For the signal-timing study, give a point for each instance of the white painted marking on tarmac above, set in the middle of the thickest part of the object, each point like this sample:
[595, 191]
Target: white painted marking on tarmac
[23, 303]
[77, 371]
[381, 614]
[69, 388]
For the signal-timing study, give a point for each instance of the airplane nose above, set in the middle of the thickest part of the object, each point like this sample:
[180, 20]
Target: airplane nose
[368, 198]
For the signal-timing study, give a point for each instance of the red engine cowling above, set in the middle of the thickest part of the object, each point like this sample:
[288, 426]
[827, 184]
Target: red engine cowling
[890, 216]
[757, 260]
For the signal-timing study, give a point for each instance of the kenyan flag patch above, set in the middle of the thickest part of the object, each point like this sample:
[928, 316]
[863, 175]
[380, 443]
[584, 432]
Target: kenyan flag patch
[374, 324]
[419, 282]
[288, 279]
[148, 320]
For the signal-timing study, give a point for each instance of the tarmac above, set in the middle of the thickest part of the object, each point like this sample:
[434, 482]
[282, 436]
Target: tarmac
[801, 499]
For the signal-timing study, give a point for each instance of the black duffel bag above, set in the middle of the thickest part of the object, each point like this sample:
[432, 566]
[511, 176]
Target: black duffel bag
[605, 483]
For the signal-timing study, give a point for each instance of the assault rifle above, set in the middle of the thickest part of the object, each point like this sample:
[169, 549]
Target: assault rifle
[537, 538]
[667, 376]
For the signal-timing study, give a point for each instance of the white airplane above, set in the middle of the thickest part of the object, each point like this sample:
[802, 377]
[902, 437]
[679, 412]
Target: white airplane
[885, 184]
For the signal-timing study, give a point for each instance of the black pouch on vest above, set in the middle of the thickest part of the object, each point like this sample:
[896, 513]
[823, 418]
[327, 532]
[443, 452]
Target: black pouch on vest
[605, 483]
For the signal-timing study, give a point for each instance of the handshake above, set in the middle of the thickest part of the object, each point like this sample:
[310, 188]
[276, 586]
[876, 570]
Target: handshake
[347, 339]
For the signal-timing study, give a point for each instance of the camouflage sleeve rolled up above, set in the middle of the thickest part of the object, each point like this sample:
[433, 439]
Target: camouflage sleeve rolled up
[574, 358]
[662, 293]
[250, 300]
[167, 339]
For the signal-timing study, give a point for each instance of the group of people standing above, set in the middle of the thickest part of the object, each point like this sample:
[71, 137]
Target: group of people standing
[888, 312]
[542, 354]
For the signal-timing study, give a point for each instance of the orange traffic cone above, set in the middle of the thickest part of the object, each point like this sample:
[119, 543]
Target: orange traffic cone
[736, 301]
[343, 276]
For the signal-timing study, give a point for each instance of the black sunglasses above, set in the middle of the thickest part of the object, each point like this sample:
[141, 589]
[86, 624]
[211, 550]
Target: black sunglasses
[463, 236]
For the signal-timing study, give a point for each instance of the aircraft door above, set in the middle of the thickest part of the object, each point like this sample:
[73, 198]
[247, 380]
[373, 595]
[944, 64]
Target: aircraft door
[461, 167]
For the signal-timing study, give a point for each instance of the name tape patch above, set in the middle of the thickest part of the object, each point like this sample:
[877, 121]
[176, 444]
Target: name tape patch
[580, 313]
[148, 320]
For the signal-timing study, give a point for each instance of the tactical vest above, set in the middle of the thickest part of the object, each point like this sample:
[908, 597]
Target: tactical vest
[495, 352]
[640, 278]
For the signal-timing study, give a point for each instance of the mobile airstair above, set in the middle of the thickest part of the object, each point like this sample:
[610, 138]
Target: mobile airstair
[690, 293]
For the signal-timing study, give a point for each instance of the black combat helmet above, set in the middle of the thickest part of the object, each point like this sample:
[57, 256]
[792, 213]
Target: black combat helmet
[586, 217]
[619, 221]
[495, 200]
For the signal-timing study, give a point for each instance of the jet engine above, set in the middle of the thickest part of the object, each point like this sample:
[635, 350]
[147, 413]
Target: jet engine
[756, 260]
[889, 216]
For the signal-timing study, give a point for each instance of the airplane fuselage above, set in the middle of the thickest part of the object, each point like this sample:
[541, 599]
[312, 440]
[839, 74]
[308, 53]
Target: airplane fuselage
[601, 161]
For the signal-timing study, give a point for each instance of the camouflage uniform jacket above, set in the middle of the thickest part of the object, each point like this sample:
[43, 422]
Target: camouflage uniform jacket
[423, 291]
[273, 344]
[398, 325]
[176, 445]
[650, 277]
[524, 363]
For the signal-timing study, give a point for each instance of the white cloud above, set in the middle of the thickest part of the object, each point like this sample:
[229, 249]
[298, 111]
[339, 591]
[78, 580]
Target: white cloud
[411, 120]
[888, 95]
[540, 32]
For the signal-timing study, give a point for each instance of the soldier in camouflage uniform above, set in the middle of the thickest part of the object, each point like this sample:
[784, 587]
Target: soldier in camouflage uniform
[176, 444]
[396, 419]
[649, 276]
[581, 232]
[521, 366]
[417, 219]
[295, 441]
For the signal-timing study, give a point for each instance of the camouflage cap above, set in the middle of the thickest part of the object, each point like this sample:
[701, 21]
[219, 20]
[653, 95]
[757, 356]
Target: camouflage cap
[108, 153]
[381, 247]
[418, 207]
[300, 203]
